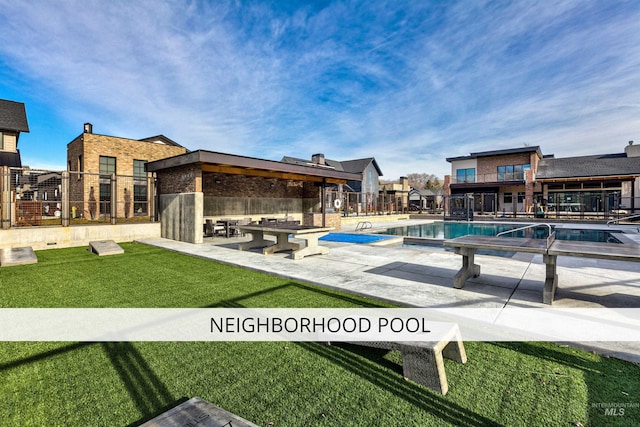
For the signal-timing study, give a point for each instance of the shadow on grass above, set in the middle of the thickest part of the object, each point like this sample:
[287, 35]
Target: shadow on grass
[144, 387]
[44, 355]
[423, 399]
[235, 302]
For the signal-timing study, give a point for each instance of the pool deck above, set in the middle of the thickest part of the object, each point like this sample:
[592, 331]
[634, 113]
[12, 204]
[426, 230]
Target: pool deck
[423, 276]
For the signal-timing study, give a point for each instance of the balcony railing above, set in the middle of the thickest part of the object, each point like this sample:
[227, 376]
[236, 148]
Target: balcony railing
[489, 178]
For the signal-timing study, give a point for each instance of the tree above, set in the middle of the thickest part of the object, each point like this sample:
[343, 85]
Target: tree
[427, 181]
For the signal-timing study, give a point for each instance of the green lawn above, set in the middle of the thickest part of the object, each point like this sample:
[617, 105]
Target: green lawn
[287, 384]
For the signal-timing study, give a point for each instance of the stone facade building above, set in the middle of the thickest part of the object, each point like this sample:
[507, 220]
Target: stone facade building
[521, 180]
[94, 161]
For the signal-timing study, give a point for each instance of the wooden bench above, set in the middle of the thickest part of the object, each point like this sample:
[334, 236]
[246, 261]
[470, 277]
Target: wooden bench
[550, 249]
[422, 361]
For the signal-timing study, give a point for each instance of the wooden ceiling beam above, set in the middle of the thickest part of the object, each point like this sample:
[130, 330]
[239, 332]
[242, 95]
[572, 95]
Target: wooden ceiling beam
[234, 170]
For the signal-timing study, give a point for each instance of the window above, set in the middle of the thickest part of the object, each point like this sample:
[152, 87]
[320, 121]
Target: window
[520, 197]
[138, 169]
[512, 172]
[466, 175]
[107, 167]
[508, 198]
[140, 199]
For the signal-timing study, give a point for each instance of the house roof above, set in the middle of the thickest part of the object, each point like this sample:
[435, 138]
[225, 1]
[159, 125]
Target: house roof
[588, 166]
[351, 166]
[426, 192]
[10, 159]
[493, 153]
[162, 140]
[211, 161]
[13, 116]
[329, 164]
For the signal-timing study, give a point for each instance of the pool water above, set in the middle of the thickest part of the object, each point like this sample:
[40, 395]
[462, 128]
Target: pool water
[354, 238]
[451, 230]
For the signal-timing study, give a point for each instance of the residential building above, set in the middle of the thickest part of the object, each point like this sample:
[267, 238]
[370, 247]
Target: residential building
[367, 189]
[517, 180]
[13, 121]
[499, 180]
[395, 196]
[93, 160]
[608, 184]
[426, 200]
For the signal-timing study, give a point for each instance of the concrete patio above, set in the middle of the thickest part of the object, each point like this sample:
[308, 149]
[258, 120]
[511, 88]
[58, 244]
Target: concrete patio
[421, 276]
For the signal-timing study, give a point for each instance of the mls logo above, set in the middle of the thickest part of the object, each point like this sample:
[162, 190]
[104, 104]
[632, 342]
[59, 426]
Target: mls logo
[614, 411]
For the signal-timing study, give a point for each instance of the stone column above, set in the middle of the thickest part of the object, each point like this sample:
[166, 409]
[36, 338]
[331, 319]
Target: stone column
[528, 189]
[114, 198]
[5, 198]
[65, 199]
[447, 193]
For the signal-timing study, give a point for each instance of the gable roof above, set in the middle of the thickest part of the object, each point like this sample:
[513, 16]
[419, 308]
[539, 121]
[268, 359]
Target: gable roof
[13, 116]
[588, 166]
[328, 163]
[351, 166]
[426, 192]
[161, 139]
[359, 165]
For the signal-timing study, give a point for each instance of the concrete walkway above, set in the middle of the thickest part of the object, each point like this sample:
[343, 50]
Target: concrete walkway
[419, 276]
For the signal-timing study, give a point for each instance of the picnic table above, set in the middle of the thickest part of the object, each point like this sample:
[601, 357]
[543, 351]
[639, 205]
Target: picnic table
[549, 248]
[309, 234]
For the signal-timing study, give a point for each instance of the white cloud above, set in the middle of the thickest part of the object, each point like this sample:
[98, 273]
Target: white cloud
[409, 84]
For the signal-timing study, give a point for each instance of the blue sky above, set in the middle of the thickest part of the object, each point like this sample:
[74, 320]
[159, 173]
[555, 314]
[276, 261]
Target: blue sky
[409, 83]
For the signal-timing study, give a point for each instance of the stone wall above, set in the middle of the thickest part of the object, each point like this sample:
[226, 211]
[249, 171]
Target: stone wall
[83, 161]
[241, 196]
[489, 165]
[78, 235]
[181, 179]
[315, 219]
[92, 146]
[222, 185]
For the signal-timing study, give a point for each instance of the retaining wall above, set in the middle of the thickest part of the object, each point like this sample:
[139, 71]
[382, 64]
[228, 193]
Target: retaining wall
[77, 235]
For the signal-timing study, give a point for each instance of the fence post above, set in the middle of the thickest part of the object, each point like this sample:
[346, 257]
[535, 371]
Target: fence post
[151, 197]
[114, 198]
[5, 199]
[65, 198]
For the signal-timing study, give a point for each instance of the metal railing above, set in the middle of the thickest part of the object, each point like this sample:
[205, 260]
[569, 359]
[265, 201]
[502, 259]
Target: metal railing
[32, 197]
[613, 221]
[363, 225]
[550, 238]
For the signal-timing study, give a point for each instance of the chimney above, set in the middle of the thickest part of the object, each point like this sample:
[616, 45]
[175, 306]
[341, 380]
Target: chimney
[318, 159]
[632, 150]
[404, 181]
[88, 128]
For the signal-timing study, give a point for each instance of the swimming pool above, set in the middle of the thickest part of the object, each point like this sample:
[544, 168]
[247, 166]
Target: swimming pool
[451, 230]
[354, 238]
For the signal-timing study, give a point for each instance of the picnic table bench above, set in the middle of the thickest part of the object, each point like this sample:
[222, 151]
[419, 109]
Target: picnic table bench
[422, 361]
[282, 232]
[549, 248]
